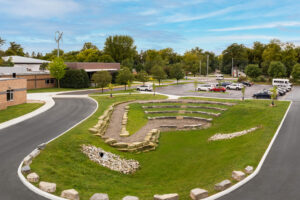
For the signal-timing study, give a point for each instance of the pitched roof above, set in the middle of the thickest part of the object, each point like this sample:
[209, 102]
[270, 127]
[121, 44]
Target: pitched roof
[24, 60]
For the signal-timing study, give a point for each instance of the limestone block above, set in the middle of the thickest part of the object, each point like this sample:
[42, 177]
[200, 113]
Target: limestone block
[110, 141]
[179, 117]
[173, 196]
[130, 198]
[35, 153]
[41, 146]
[183, 106]
[47, 187]
[99, 196]
[198, 193]
[120, 145]
[223, 185]
[93, 130]
[70, 194]
[181, 111]
[25, 169]
[249, 169]
[27, 160]
[33, 177]
[238, 175]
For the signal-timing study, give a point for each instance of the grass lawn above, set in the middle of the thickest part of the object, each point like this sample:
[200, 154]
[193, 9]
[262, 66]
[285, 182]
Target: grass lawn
[183, 160]
[117, 92]
[54, 90]
[16, 111]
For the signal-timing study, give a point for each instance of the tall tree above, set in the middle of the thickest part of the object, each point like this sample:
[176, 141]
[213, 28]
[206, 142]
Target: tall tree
[236, 53]
[253, 70]
[271, 53]
[255, 54]
[106, 59]
[158, 73]
[296, 73]
[120, 47]
[152, 58]
[177, 72]
[124, 76]
[88, 55]
[2, 42]
[57, 69]
[89, 45]
[277, 69]
[143, 77]
[102, 79]
[289, 57]
[14, 49]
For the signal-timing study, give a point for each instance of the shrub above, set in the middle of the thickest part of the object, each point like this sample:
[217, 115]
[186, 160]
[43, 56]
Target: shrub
[253, 71]
[242, 78]
[75, 78]
[259, 79]
[296, 73]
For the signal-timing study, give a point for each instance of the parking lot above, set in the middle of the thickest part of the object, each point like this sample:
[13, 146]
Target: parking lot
[189, 90]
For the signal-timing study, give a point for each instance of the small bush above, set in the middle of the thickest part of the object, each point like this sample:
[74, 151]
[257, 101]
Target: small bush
[75, 78]
[242, 78]
[259, 79]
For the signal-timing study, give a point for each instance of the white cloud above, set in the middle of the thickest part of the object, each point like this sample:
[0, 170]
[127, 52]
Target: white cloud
[148, 12]
[38, 8]
[262, 26]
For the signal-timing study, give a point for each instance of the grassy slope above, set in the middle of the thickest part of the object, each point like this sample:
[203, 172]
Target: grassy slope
[16, 111]
[183, 160]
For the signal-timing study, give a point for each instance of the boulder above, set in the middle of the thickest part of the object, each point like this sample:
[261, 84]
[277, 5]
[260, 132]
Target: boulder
[27, 160]
[70, 194]
[238, 175]
[198, 193]
[99, 196]
[33, 177]
[35, 153]
[249, 169]
[47, 187]
[173, 196]
[130, 198]
[223, 185]
[25, 169]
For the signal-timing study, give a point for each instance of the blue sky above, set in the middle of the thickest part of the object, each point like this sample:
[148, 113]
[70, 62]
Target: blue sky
[154, 24]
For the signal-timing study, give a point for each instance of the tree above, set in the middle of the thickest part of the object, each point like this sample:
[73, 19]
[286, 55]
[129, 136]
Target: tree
[129, 83]
[271, 53]
[120, 47]
[195, 84]
[110, 87]
[289, 57]
[2, 42]
[255, 54]
[192, 62]
[152, 58]
[57, 69]
[53, 54]
[277, 70]
[274, 95]
[143, 77]
[158, 73]
[236, 52]
[243, 93]
[106, 59]
[75, 78]
[44, 66]
[177, 72]
[124, 76]
[88, 55]
[14, 49]
[253, 71]
[89, 45]
[71, 56]
[296, 72]
[102, 79]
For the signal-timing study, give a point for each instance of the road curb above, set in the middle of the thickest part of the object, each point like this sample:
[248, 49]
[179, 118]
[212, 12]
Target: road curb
[32, 187]
[49, 103]
[258, 168]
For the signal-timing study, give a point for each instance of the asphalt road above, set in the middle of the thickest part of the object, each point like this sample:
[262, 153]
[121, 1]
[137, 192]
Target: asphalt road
[279, 178]
[19, 140]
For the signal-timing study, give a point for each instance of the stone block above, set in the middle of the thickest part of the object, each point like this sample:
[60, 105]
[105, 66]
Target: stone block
[183, 106]
[130, 198]
[93, 130]
[99, 196]
[35, 153]
[179, 117]
[47, 187]
[249, 169]
[70, 194]
[198, 193]
[173, 196]
[238, 175]
[110, 141]
[26, 169]
[27, 160]
[181, 111]
[33, 177]
[120, 145]
[223, 185]
[41, 146]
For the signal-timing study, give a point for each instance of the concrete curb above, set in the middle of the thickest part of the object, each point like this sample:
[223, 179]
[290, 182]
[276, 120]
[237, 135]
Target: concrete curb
[32, 187]
[251, 176]
[48, 104]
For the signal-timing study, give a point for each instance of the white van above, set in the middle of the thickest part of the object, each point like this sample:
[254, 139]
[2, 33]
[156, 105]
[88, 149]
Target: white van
[282, 83]
[219, 77]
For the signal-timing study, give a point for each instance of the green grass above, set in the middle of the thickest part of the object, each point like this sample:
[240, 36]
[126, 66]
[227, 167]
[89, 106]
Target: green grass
[116, 92]
[41, 90]
[184, 159]
[18, 110]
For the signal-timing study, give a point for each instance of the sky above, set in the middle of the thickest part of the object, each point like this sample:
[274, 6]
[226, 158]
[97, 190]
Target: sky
[154, 24]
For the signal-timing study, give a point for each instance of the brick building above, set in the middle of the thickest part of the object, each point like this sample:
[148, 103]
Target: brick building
[12, 92]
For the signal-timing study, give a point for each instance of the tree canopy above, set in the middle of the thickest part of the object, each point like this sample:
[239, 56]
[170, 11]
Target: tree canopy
[102, 79]
[253, 70]
[57, 69]
[124, 76]
[277, 70]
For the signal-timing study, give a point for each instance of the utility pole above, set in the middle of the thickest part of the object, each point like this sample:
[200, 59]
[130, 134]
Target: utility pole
[232, 67]
[207, 65]
[200, 66]
[58, 37]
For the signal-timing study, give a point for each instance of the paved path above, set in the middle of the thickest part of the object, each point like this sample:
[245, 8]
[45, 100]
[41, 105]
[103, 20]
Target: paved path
[19, 140]
[279, 177]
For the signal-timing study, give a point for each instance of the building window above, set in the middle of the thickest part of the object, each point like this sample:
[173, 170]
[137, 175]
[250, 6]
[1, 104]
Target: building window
[52, 80]
[10, 95]
[47, 81]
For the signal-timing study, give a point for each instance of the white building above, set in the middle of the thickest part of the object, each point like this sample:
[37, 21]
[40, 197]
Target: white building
[27, 64]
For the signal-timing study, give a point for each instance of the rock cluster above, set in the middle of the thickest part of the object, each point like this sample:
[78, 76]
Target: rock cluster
[221, 136]
[150, 143]
[110, 160]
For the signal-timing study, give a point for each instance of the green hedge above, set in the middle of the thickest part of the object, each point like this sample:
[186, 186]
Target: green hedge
[75, 78]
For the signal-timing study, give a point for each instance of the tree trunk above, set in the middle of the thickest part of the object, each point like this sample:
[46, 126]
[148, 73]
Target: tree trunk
[58, 85]
[177, 81]
[159, 82]
[102, 90]
[125, 87]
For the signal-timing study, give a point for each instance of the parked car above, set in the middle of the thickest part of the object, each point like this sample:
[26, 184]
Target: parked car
[224, 84]
[281, 91]
[218, 89]
[265, 94]
[144, 88]
[247, 83]
[205, 87]
[234, 86]
[219, 77]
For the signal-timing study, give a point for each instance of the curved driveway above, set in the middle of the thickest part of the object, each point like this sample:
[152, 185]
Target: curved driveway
[19, 140]
[279, 177]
